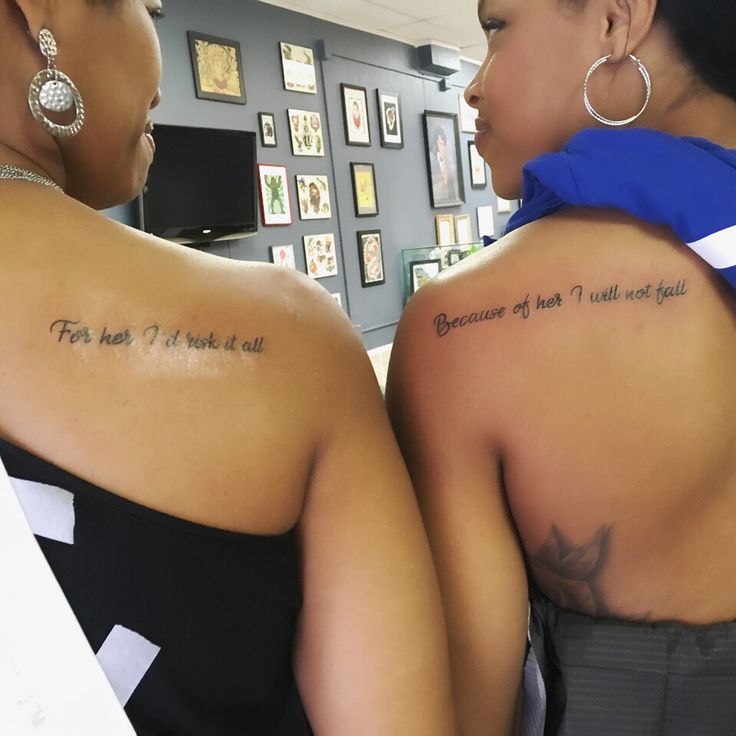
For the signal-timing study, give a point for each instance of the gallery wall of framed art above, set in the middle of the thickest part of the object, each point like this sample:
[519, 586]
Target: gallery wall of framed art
[291, 78]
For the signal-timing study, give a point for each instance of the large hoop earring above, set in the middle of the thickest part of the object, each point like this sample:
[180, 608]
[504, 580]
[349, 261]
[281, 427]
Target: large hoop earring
[52, 90]
[606, 121]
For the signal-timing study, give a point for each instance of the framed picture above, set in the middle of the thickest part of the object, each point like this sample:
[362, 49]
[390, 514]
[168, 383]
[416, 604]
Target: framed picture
[319, 251]
[297, 63]
[313, 195]
[307, 138]
[390, 122]
[455, 255]
[364, 189]
[267, 127]
[463, 229]
[444, 226]
[422, 271]
[337, 296]
[467, 115]
[282, 255]
[370, 255]
[503, 205]
[274, 188]
[478, 178]
[442, 140]
[218, 68]
[355, 115]
[485, 221]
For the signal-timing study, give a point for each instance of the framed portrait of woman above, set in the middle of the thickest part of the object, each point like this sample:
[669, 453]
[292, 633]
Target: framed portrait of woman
[355, 115]
[442, 140]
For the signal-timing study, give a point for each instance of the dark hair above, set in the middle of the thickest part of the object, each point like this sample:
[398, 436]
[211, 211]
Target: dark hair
[704, 32]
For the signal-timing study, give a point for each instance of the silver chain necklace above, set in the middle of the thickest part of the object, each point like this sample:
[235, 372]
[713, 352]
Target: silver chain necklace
[15, 172]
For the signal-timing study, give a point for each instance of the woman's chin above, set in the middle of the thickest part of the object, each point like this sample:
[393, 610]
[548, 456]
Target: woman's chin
[506, 188]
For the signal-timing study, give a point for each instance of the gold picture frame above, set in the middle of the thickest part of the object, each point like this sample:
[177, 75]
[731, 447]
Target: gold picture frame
[444, 226]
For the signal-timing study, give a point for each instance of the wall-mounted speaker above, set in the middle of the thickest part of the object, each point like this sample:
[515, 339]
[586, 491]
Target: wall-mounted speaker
[439, 60]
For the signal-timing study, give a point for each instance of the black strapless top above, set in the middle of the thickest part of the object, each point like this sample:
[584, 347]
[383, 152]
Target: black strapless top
[221, 606]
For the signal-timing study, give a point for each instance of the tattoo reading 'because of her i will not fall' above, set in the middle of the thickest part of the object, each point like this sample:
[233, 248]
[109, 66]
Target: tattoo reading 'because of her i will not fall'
[660, 293]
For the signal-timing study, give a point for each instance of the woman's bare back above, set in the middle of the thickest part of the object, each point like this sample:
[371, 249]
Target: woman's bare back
[173, 380]
[605, 389]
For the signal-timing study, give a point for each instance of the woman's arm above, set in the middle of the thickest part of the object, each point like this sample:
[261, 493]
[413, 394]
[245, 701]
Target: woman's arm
[441, 403]
[371, 656]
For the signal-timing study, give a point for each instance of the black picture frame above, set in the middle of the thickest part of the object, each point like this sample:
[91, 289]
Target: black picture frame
[199, 49]
[264, 119]
[352, 96]
[414, 284]
[444, 164]
[358, 173]
[384, 100]
[368, 277]
[475, 183]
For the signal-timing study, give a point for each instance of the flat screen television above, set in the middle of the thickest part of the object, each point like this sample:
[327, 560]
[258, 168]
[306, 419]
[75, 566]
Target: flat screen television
[201, 186]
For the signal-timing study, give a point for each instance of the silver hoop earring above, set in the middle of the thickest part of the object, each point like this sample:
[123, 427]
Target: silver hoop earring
[52, 90]
[606, 121]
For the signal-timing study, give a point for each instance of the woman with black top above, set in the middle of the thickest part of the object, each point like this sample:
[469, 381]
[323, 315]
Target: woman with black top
[238, 506]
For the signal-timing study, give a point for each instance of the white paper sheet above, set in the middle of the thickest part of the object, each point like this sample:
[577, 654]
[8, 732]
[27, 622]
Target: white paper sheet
[49, 510]
[50, 682]
[125, 657]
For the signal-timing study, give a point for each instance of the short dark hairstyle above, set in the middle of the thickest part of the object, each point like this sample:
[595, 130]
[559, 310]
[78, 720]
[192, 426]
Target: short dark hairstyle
[703, 32]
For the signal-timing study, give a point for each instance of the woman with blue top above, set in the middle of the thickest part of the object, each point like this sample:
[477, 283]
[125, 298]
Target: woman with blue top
[566, 399]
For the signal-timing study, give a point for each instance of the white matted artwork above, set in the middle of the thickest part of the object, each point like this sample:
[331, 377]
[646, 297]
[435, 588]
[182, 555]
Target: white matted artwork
[337, 296]
[319, 251]
[467, 115]
[307, 138]
[463, 229]
[313, 193]
[485, 221]
[503, 205]
[355, 115]
[297, 63]
[283, 255]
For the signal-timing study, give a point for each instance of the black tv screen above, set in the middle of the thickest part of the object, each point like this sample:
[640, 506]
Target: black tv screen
[201, 185]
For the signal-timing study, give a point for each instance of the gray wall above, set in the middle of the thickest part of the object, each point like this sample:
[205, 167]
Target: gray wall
[406, 218]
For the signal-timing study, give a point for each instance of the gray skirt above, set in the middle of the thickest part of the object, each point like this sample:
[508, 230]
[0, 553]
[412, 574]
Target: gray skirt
[595, 677]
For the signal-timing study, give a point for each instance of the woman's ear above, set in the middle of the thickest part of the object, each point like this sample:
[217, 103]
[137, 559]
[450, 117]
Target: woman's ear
[627, 24]
[36, 14]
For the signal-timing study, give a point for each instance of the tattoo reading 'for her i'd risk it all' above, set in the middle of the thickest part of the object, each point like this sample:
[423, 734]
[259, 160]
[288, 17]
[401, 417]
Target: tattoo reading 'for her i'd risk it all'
[660, 293]
[154, 337]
